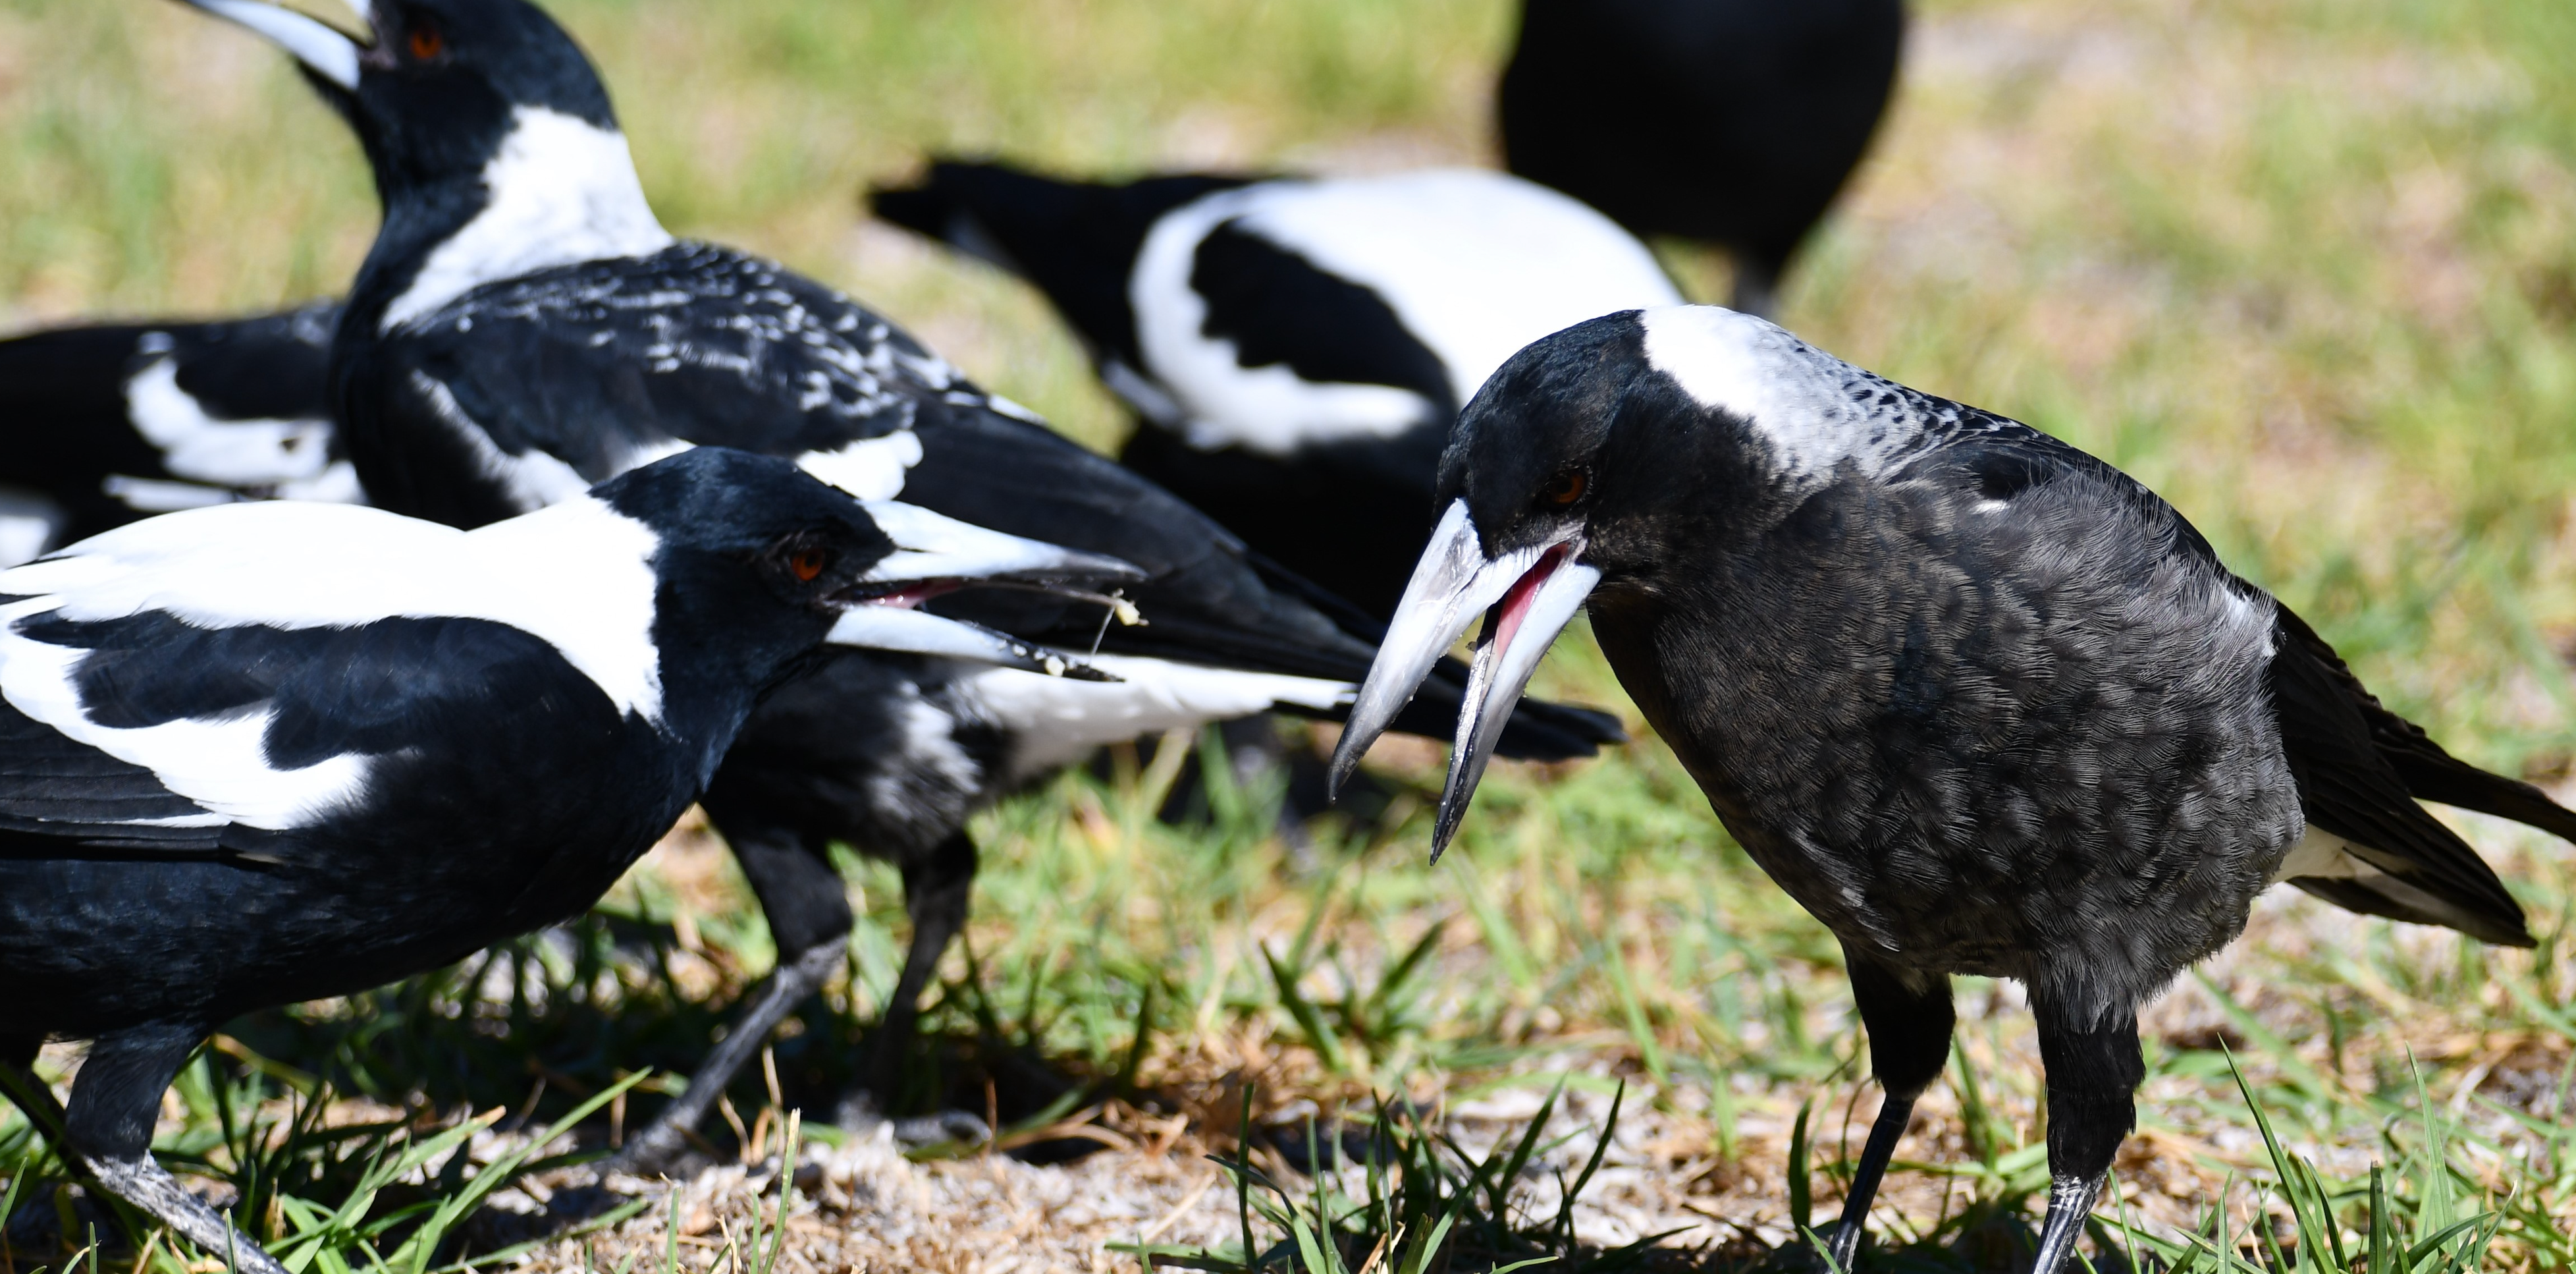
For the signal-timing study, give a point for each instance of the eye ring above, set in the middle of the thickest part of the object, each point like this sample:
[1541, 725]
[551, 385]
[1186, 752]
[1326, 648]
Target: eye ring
[426, 42]
[806, 564]
[1566, 487]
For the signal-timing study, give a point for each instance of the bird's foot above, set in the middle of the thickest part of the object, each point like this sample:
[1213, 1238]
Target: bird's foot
[1844, 1247]
[149, 1186]
[648, 1153]
[859, 1115]
[2070, 1205]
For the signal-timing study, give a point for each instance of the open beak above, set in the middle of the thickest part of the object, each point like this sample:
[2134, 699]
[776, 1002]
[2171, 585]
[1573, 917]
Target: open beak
[324, 50]
[935, 555]
[1527, 595]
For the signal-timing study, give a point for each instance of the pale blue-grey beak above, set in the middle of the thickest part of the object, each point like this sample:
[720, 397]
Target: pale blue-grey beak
[1528, 596]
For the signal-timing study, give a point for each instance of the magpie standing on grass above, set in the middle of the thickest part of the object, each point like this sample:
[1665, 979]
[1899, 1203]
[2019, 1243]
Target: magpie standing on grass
[271, 752]
[1980, 702]
[109, 423]
[1734, 122]
[524, 326]
[1295, 347]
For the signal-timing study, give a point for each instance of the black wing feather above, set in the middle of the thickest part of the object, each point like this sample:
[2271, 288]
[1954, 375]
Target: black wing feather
[2351, 789]
[66, 419]
[2357, 765]
[1075, 240]
[54, 786]
[704, 345]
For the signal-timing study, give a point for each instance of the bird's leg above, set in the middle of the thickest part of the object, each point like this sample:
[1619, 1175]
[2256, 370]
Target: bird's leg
[115, 1098]
[809, 917]
[2094, 1069]
[1909, 1019]
[936, 888]
[20, 1085]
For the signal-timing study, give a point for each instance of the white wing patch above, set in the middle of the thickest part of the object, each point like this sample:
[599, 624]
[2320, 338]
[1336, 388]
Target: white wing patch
[1477, 264]
[221, 764]
[1056, 720]
[578, 575]
[1474, 264]
[29, 521]
[561, 191]
[229, 453]
[533, 479]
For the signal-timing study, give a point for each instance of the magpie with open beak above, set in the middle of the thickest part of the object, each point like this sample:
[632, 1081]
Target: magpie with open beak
[1977, 700]
[270, 752]
[523, 327]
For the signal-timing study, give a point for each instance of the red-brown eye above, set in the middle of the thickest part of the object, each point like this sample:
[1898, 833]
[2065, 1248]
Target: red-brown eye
[426, 43]
[1566, 488]
[807, 563]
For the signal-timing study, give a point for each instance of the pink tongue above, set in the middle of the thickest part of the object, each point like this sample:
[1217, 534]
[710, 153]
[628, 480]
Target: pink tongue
[1516, 603]
[911, 597]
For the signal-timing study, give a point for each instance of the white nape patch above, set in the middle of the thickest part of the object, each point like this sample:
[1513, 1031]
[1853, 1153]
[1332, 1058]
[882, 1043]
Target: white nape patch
[560, 192]
[158, 495]
[871, 468]
[1812, 408]
[578, 575]
[1056, 720]
[1475, 264]
[231, 453]
[332, 56]
[29, 521]
[533, 479]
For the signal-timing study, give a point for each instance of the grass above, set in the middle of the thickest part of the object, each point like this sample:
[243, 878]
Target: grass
[2308, 268]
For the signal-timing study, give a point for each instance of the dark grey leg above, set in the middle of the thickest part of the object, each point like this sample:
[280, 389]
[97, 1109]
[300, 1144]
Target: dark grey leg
[109, 1126]
[1909, 1019]
[18, 1083]
[2094, 1069]
[809, 917]
[936, 890]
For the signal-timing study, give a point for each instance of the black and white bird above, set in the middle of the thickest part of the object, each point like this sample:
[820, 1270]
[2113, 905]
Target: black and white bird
[1734, 122]
[523, 326]
[270, 752]
[113, 422]
[1980, 702]
[1295, 348]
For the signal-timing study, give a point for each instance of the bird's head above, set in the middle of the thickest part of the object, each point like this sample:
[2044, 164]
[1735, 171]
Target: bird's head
[1581, 465]
[439, 85]
[468, 110]
[753, 555]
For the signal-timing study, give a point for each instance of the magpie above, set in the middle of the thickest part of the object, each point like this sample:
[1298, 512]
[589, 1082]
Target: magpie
[268, 752]
[1980, 702]
[1734, 122]
[113, 422]
[1295, 347]
[523, 326]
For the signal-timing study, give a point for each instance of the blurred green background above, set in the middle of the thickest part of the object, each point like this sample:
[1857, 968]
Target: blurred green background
[2307, 267]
